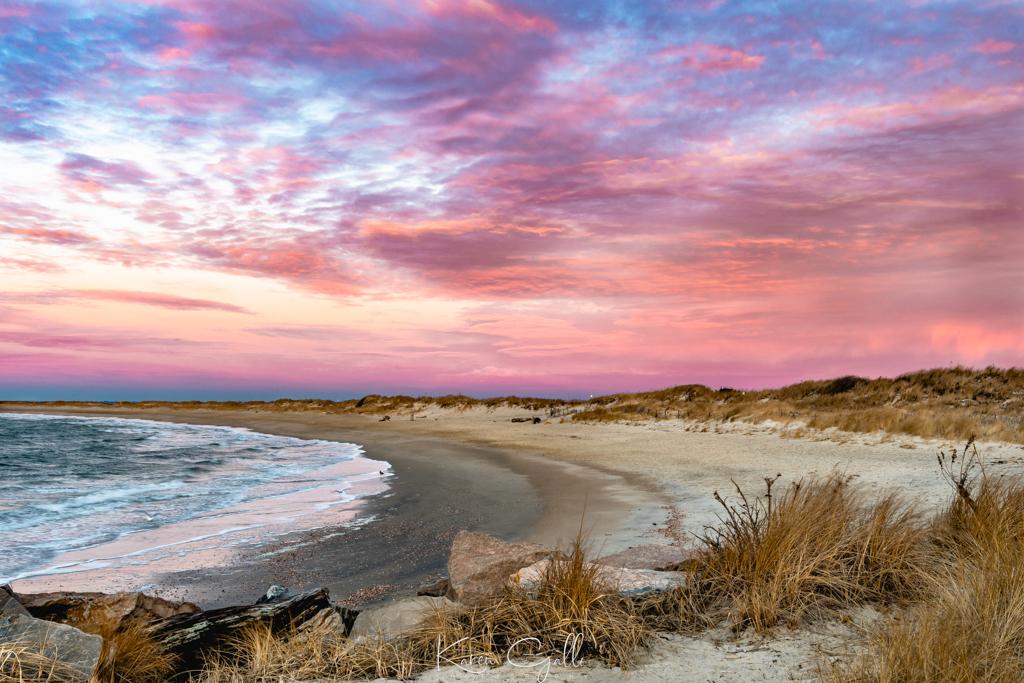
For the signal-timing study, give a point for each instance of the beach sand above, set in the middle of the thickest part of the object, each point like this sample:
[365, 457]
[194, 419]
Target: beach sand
[439, 486]
[640, 484]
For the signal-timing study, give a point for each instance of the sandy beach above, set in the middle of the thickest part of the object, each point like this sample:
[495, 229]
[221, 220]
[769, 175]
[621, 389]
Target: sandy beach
[633, 484]
[440, 486]
[648, 483]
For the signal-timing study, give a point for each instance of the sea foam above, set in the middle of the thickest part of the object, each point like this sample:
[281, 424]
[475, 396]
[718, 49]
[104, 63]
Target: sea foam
[85, 493]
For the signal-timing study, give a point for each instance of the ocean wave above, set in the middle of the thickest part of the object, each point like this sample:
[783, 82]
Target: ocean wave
[110, 489]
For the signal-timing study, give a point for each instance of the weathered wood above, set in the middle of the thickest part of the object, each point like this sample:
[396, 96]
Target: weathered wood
[187, 636]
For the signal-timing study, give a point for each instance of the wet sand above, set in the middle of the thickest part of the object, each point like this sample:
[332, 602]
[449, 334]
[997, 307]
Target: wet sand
[439, 486]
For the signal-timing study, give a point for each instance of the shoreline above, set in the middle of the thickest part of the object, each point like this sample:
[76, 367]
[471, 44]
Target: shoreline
[640, 484]
[401, 538]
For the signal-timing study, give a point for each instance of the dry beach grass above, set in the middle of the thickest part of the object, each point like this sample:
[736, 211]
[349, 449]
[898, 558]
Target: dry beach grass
[20, 663]
[128, 655]
[969, 626]
[570, 611]
[819, 547]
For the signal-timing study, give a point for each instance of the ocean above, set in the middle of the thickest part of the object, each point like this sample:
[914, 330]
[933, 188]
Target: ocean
[135, 498]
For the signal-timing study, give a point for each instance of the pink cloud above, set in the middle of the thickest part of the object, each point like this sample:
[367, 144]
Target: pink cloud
[87, 341]
[14, 11]
[92, 173]
[991, 46]
[173, 54]
[30, 264]
[170, 301]
[49, 235]
[919, 65]
[192, 102]
[197, 30]
[709, 58]
[945, 103]
[489, 10]
[310, 261]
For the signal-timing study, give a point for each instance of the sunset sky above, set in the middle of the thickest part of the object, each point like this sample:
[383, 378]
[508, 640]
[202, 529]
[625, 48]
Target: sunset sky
[217, 198]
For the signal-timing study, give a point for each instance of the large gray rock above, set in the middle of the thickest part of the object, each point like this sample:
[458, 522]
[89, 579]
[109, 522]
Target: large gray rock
[479, 565]
[625, 581]
[399, 618]
[9, 605]
[96, 610]
[74, 651]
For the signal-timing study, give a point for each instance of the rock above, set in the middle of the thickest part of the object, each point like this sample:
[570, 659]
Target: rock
[92, 611]
[479, 565]
[326, 619]
[187, 636]
[659, 557]
[399, 618]
[9, 605]
[75, 653]
[333, 618]
[632, 583]
[273, 594]
[435, 590]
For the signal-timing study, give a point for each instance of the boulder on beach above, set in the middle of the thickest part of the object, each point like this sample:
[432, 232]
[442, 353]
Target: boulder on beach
[398, 618]
[479, 565]
[95, 610]
[73, 652]
[631, 583]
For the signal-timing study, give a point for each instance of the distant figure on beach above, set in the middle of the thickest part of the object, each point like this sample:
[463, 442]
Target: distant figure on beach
[386, 418]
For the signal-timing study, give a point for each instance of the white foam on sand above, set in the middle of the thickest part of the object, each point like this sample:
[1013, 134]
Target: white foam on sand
[117, 537]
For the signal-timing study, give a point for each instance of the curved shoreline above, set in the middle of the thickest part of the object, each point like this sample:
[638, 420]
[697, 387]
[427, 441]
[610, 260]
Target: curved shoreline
[439, 487]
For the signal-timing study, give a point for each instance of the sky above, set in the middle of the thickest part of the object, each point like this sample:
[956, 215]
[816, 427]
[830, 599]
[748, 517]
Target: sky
[226, 199]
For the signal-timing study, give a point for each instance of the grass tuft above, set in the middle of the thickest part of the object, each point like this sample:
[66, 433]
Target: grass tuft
[817, 548]
[572, 611]
[130, 655]
[21, 664]
[570, 615]
[970, 624]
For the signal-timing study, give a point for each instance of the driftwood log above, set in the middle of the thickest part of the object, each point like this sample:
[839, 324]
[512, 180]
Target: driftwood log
[187, 636]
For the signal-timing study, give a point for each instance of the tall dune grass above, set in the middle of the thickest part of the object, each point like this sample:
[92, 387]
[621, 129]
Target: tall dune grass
[970, 624]
[818, 547]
